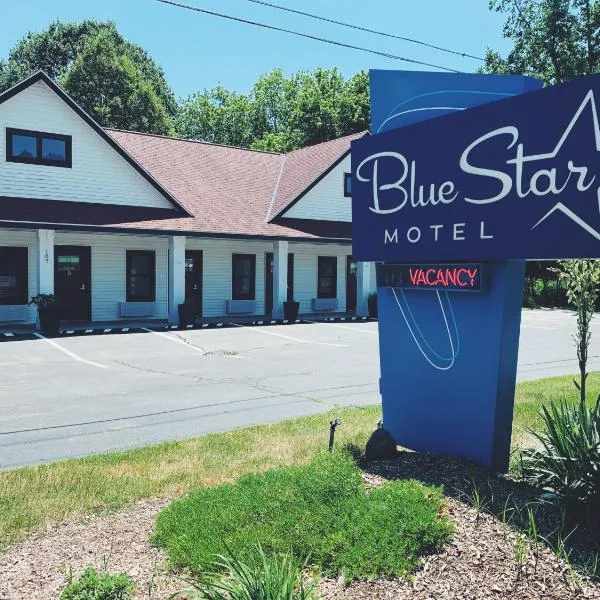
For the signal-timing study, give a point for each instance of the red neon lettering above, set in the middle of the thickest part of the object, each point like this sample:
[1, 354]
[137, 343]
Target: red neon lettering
[413, 275]
[472, 275]
[429, 281]
[459, 274]
[421, 278]
[450, 276]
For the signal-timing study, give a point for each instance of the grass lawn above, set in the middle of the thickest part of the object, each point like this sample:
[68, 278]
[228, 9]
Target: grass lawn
[320, 510]
[34, 497]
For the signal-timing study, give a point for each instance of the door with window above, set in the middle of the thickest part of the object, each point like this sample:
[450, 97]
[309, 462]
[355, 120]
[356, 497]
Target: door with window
[72, 282]
[193, 280]
[351, 284]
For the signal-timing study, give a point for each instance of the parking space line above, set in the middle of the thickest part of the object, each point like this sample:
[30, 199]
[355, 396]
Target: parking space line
[185, 343]
[342, 327]
[287, 337]
[68, 352]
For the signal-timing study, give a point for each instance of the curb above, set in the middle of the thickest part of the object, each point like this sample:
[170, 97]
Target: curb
[6, 336]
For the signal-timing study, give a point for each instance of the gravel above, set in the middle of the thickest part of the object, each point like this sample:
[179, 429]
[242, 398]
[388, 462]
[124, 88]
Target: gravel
[479, 562]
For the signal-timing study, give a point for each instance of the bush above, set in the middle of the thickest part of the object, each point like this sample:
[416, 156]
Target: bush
[92, 585]
[270, 577]
[321, 510]
[568, 462]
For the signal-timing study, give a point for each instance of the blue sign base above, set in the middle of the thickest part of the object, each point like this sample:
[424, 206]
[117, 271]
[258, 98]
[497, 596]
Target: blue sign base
[426, 334]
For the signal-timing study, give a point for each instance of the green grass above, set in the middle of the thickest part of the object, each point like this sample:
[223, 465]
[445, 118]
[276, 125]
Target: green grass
[32, 498]
[319, 510]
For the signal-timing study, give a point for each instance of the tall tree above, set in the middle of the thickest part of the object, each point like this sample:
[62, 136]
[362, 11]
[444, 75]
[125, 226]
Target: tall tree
[280, 113]
[554, 40]
[60, 48]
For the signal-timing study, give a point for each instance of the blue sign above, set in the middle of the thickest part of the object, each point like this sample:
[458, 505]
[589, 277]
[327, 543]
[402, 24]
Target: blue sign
[516, 178]
[448, 358]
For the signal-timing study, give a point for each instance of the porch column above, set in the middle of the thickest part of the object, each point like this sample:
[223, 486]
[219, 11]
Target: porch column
[280, 277]
[45, 261]
[176, 276]
[363, 285]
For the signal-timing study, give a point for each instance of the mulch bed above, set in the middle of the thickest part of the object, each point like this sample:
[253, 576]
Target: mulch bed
[479, 562]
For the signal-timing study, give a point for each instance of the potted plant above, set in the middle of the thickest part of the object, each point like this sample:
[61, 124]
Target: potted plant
[48, 311]
[372, 304]
[290, 310]
[186, 313]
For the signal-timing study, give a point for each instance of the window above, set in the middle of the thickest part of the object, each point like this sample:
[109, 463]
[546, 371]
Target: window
[37, 148]
[243, 267]
[141, 276]
[327, 277]
[347, 185]
[13, 275]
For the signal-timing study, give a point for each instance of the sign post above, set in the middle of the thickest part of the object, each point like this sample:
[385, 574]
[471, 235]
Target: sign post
[464, 178]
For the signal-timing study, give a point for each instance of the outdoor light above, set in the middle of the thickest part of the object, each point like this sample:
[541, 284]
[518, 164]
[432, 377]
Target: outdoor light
[332, 426]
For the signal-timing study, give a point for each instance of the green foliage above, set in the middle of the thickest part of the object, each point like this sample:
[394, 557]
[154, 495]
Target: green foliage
[320, 510]
[554, 40]
[113, 88]
[580, 279]
[121, 74]
[92, 585]
[267, 577]
[568, 460]
[280, 113]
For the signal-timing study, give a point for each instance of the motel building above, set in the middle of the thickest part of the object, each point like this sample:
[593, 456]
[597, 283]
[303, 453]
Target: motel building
[124, 226]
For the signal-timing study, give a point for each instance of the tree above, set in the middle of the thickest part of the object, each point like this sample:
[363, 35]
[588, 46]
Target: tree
[554, 40]
[64, 46]
[113, 89]
[280, 113]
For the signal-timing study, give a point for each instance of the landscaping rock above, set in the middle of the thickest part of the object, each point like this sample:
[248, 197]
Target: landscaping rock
[381, 445]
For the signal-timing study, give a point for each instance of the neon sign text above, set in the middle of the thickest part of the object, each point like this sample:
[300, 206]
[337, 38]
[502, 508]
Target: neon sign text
[454, 277]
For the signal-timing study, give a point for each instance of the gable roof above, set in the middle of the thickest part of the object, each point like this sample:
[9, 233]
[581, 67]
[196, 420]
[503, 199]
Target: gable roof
[231, 190]
[304, 168]
[40, 76]
[217, 190]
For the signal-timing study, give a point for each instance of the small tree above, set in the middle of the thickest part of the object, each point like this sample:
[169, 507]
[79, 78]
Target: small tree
[580, 278]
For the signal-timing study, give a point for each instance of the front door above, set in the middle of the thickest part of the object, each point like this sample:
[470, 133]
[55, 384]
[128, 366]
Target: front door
[268, 283]
[351, 283]
[72, 282]
[193, 280]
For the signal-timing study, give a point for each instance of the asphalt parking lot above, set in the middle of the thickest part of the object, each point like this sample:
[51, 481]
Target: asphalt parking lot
[72, 396]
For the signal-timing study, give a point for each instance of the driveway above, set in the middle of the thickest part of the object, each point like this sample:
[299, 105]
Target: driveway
[73, 396]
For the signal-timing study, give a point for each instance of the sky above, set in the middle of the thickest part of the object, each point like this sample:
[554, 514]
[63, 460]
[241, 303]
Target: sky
[198, 51]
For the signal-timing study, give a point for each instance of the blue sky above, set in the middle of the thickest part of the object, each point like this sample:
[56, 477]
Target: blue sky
[198, 51]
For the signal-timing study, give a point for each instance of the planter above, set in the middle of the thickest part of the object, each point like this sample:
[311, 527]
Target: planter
[186, 314]
[372, 303]
[290, 310]
[49, 319]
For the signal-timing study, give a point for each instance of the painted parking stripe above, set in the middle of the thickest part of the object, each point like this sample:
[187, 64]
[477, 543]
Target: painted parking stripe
[287, 337]
[185, 343]
[68, 352]
[343, 327]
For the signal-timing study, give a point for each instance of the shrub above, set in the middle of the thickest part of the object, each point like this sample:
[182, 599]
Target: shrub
[269, 577]
[321, 510]
[568, 461]
[92, 585]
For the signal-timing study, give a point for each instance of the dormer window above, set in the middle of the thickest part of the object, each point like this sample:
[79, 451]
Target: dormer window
[38, 148]
[348, 185]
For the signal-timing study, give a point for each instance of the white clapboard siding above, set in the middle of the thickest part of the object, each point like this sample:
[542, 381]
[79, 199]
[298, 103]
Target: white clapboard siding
[23, 239]
[305, 272]
[99, 174]
[216, 285]
[326, 200]
[108, 253]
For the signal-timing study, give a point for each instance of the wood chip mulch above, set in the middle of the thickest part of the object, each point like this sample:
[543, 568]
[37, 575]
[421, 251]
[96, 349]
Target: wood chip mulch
[480, 562]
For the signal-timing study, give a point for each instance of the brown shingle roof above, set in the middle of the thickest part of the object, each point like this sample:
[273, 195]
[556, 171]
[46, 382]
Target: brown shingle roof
[232, 190]
[302, 167]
